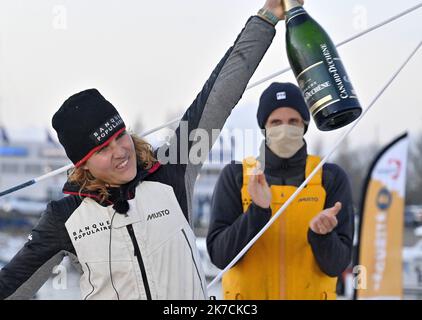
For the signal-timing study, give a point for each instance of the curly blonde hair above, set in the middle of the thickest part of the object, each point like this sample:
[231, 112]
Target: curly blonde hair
[86, 181]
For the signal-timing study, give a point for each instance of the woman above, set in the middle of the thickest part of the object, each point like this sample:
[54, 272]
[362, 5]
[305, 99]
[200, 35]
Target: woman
[126, 221]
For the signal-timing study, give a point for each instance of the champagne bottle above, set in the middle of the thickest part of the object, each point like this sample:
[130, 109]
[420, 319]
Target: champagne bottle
[319, 71]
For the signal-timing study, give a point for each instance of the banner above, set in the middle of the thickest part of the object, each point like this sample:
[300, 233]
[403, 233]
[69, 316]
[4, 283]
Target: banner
[380, 243]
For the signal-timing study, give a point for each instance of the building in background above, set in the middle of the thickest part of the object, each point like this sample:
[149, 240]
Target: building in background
[24, 155]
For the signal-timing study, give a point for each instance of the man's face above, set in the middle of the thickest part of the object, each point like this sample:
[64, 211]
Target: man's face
[285, 115]
[115, 163]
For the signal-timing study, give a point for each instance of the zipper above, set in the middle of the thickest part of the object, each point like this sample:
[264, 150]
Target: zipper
[140, 261]
[194, 262]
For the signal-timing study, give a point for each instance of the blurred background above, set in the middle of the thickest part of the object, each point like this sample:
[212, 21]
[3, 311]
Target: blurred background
[150, 59]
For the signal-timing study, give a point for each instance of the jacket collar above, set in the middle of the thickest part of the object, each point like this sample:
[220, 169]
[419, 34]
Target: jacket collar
[124, 192]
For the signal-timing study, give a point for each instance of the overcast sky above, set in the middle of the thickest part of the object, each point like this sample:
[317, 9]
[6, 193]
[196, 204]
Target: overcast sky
[151, 58]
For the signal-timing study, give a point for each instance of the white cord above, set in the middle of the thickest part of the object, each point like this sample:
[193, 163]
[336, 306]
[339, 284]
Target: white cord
[54, 173]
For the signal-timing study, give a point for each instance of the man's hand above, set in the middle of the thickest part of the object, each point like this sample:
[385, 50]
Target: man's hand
[276, 7]
[326, 220]
[259, 190]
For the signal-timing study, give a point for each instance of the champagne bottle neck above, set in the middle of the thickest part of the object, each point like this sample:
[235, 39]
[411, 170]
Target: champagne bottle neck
[290, 4]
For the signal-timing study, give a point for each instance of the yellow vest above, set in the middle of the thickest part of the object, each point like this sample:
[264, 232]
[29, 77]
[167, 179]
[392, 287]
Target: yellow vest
[281, 265]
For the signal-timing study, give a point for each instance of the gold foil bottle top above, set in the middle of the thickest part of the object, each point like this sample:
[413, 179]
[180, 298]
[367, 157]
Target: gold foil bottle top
[290, 4]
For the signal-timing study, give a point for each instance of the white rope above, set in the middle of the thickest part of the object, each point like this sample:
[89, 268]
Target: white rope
[165, 125]
[54, 173]
[323, 161]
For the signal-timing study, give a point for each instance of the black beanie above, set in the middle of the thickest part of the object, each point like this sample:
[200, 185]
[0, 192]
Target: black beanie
[85, 123]
[279, 95]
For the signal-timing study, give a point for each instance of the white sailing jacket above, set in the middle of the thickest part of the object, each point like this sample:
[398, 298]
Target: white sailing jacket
[153, 253]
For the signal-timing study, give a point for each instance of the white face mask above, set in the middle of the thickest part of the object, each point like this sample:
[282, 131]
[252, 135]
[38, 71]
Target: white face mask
[285, 140]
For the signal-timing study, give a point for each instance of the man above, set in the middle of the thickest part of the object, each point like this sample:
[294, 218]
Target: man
[310, 244]
[127, 219]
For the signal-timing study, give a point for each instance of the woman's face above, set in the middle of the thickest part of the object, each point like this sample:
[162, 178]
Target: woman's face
[115, 164]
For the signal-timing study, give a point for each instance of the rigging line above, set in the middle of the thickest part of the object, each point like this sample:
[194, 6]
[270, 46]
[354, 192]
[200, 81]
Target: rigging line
[354, 37]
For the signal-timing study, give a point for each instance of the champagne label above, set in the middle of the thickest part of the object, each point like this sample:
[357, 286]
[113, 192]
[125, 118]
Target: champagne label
[325, 82]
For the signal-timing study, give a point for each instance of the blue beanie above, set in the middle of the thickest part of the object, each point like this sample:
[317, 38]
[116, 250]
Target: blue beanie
[279, 95]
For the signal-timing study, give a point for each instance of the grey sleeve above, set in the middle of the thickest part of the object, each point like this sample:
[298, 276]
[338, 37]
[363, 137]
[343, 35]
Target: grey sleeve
[214, 103]
[188, 149]
[229, 86]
